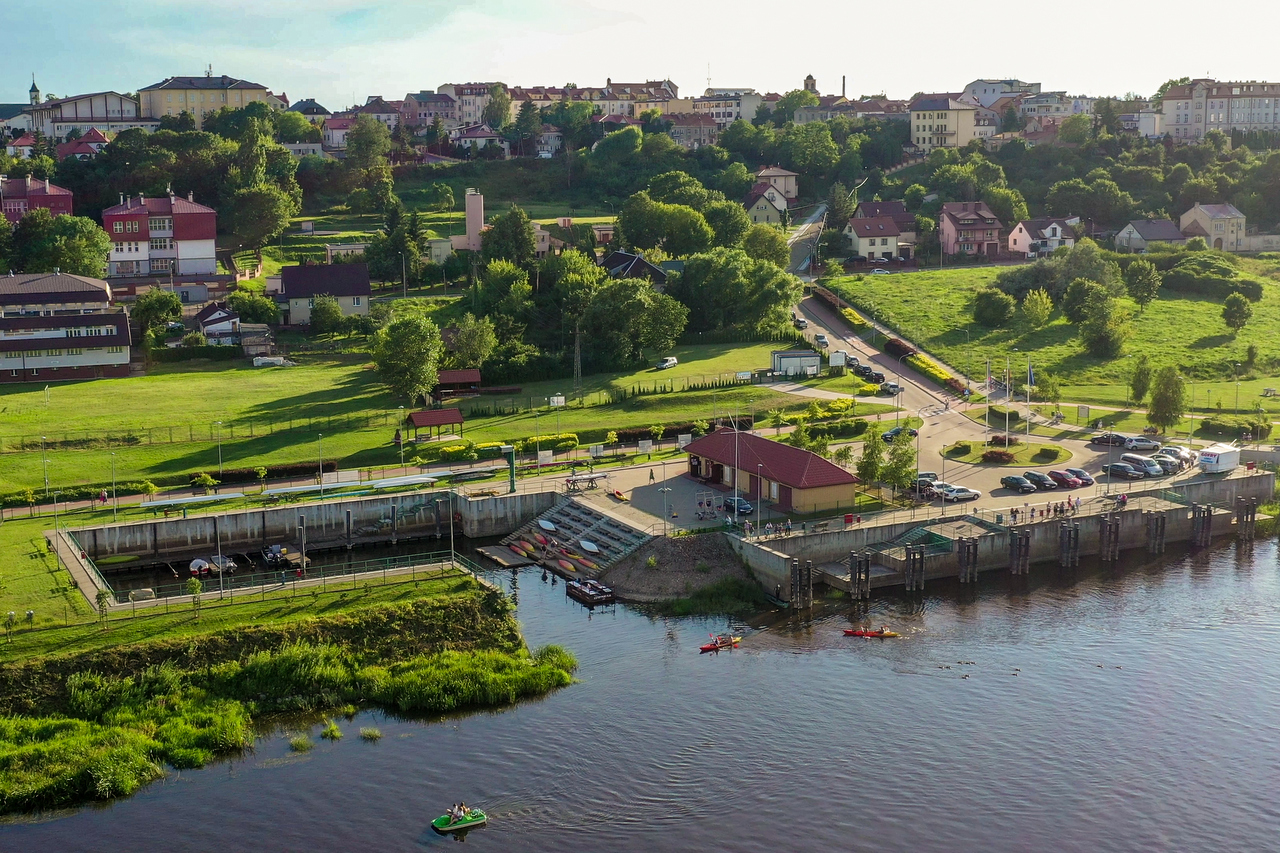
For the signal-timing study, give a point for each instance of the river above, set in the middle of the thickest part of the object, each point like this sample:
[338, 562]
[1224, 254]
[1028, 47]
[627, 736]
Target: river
[1128, 709]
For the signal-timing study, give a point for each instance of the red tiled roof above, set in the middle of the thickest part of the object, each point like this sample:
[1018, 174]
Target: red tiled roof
[778, 463]
[17, 188]
[876, 226]
[26, 140]
[435, 417]
[93, 135]
[895, 210]
[158, 206]
[465, 376]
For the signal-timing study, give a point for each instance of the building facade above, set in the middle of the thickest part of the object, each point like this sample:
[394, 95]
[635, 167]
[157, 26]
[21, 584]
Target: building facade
[60, 327]
[19, 195]
[726, 106]
[1138, 234]
[471, 99]
[1034, 238]
[169, 235]
[421, 109]
[1223, 226]
[107, 112]
[693, 130]
[1202, 105]
[874, 238]
[766, 204]
[944, 122]
[300, 285]
[969, 228]
[987, 92]
[200, 96]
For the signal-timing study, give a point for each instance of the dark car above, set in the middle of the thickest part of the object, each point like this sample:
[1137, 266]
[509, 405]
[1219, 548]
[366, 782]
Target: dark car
[1114, 439]
[1065, 479]
[737, 506]
[863, 369]
[876, 376]
[1018, 484]
[1042, 482]
[890, 434]
[1085, 478]
[1122, 471]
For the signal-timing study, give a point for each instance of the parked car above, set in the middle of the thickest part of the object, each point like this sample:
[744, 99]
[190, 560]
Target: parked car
[960, 493]
[801, 323]
[890, 434]
[878, 271]
[876, 376]
[1122, 471]
[1018, 484]
[863, 369]
[1142, 463]
[821, 341]
[738, 506]
[1065, 479]
[891, 388]
[669, 361]
[1042, 482]
[1186, 454]
[1141, 442]
[1168, 464]
[1085, 478]
[1114, 439]
[926, 475]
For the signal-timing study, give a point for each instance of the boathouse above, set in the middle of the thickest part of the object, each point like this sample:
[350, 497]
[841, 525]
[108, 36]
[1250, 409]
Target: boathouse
[789, 478]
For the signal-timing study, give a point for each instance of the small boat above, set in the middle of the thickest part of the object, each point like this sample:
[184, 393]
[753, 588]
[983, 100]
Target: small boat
[446, 823]
[590, 565]
[721, 643]
[863, 632]
[219, 564]
[570, 554]
[589, 592]
[199, 567]
[589, 546]
[275, 556]
[540, 539]
[546, 525]
[528, 546]
[566, 565]
[619, 495]
[514, 546]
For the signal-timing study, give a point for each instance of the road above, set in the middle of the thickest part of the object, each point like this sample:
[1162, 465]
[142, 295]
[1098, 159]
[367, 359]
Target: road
[804, 238]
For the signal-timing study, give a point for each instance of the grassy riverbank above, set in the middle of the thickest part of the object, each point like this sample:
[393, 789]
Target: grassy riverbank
[731, 596]
[103, 723]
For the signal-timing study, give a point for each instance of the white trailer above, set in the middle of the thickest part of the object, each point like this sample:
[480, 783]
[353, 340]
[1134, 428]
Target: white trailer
[1219, 458]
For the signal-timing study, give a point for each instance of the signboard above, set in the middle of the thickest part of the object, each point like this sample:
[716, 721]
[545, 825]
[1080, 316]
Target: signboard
[308, 226]
[683, 438]
[645, 447]
[743, 375]
[1082, 413]
[556, 400]
[545, 457]
[596, 450]
[838, 358]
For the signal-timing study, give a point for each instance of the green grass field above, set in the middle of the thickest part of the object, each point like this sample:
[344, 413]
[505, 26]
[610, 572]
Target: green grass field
[930, 308]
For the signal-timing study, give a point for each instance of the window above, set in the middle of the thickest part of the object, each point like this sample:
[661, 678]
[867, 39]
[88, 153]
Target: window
[75, 351]
[355, 300]
[115, 349]
[161, 243]
[119, 247]
[163, 265]
[13, 355]
[54, 353]
[117, 227]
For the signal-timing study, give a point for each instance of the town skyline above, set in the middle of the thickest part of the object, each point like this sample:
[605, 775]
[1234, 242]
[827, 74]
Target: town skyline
[345, 52]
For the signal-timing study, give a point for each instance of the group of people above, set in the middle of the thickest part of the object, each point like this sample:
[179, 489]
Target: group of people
[458, 811]
[1061, 509]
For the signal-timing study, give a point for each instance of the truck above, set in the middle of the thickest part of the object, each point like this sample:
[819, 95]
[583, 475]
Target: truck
[1219, 458]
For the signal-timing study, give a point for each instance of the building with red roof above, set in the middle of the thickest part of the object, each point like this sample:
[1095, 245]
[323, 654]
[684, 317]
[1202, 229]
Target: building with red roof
[788, 477]
[161, 236]
[19, 195]
[873, 237]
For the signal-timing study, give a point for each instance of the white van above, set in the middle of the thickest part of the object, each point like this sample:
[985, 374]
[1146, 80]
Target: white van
[669, 361]
[1149, 467]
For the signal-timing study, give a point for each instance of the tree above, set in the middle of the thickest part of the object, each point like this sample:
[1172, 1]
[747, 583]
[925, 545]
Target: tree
[729, 222]
[1008, 205]
[1167, 85]
[727, 289]
[686, 231]
[194, 339]
[1236, 312]
[1140, 380]
[473, 341]
[438, 196]
[840, 204]
[194, 588]
[1142, 280]
[785, 108]
[993, 308]
[326, 315]
[872, 460]
[913, 197]
[156, 308]
[41, 242]
[293, 128]
[899, 469]
[1105, 327]
[679, 188]
[368, 143]
[1168, 399]
[253, 307]
[510, 237]
[1011, 122]
[1076, 129]
[497, 113]
[406, 354]
[1036, 307]
[180, 123]
[767, 243]
[261, 213]
[1077, 295]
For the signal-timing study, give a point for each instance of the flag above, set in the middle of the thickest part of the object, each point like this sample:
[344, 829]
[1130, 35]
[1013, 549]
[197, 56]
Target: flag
[1031, 377]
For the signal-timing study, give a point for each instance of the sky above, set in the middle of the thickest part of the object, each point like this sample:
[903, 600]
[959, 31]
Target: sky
[341, 51]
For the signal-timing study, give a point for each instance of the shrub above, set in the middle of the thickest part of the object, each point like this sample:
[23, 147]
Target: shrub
[898, 348]
[962, 448]
[1048, 454]
[927, 367]
[488, 449]
[1210, 276]
[1004, 441]
[993, 308]
[998, 456]
[1236, 426]
[854, 319]
[558, 441]
[998, 415]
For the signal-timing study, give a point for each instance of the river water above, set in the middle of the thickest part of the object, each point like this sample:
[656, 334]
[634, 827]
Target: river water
[1128, 709]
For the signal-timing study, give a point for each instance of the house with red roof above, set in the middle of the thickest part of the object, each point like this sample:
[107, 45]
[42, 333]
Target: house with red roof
[874, 237]
[969, 228]
[168, 235]
[477, 136]
[759, 469]
[85, 148]
[336, 129]
[766, 203]
[23, 147]
[19, 195]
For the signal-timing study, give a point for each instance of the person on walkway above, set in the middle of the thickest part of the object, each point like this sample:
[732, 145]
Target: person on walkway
[788, 527]
[1077, 503]
[650, 475]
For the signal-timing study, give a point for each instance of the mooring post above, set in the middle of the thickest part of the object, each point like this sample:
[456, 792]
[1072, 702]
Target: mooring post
[808, 583]
[795, 582]
[348, 530]
[394, 520]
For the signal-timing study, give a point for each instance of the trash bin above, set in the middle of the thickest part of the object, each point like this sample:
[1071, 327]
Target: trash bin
[848, 518]
[999, 518]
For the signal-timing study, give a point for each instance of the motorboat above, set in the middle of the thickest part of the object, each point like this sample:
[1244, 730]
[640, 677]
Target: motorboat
[449, 823]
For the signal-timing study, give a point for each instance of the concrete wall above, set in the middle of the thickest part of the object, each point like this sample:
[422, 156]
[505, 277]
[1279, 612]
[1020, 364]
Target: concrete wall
[503, 514]
[772, 568]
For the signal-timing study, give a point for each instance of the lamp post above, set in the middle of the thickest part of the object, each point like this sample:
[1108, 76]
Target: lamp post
[537, 444]
[759, 493]
[55, 515]
[968, 358]
[1008, 396]
[664, 490]
[897, 397]
[115, 504]
[1191, 409]
[219, 425]
[1029, 386]
[401, 442]
[44, 464]
[1236, 367]
[320, 455]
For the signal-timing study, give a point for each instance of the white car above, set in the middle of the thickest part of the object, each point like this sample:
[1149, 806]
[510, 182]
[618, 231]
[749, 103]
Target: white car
[669, 361]
[821, 341]
[1141, 442]
[879, 271]
[960, 493]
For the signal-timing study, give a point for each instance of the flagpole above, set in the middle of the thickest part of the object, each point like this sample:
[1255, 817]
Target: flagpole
[1030, 382]
[1008, 398]
[987, 418]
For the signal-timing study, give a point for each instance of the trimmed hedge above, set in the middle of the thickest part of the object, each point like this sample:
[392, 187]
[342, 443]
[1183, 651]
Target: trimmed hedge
[1048, 454]
[998, 413]
[209, 353]
[897, 348]
[1000, 456]
[1002, 440]
[1236, 426]
[274, 472]
[854, 319]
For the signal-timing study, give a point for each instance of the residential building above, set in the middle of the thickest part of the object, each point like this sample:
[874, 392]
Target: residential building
[305, 149]
[780, 179]
[19, 195]
[14, 119]
[314, 112]
[200, 96]
[759, 469]
[166, 235]
[1035, 238]
[827, 108]
[728, 105]
[479, 136]
[766, 203]
[987, 92]
[421, 109]
[471, 99]
[693, 130]
[550, 141]
[336, 129]
[1192, 109]
[1222, 226]
[941, 121]
[631, 265]
[219, 324]
[24, 147]
[300, 285]
[385, 112]
[1138, 234]
[59, 327]
[969, 228]
[85, 148]
[1056, 104]
[873, 238]
[107, 112]
[903, 218]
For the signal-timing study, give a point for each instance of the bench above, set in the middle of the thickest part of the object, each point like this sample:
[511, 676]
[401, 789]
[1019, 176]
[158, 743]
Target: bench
[821, 527]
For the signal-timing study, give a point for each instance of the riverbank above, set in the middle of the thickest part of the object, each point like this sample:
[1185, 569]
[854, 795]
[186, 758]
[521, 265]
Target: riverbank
[104, 723]
[673, 567]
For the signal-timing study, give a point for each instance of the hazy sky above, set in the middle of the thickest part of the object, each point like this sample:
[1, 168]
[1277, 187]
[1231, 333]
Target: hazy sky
[340, 50]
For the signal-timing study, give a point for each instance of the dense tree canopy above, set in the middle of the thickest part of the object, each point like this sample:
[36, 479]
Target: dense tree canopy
[728, 289]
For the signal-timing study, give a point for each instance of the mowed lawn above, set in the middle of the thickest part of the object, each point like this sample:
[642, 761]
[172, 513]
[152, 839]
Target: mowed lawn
[932, 309]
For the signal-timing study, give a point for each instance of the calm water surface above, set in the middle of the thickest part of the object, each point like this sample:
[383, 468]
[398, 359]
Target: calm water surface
[1116, 710]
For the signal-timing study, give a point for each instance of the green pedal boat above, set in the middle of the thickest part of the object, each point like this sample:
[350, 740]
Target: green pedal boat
[446, 823]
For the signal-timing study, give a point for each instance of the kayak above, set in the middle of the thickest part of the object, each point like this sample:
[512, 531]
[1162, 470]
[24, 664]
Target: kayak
[589, 564]
[444, 823]
[546, 525]
[566, 565]
[515, 547]
[542, 540]
[720, 645]
[589, 547]
[619, 495]
[859, 632]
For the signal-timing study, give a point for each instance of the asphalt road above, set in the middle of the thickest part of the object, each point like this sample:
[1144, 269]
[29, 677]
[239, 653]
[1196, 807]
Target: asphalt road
[802, 241]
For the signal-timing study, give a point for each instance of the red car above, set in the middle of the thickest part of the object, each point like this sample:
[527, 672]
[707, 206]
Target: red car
[1065, 480]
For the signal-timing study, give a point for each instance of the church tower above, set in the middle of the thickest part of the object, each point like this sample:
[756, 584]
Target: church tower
[35, 90]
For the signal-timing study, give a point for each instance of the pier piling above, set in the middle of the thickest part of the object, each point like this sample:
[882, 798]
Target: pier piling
[968, 550]
[1109, 537]
[1201, 525]
[860, 575]
[1155, 526]
[348, 531]
[914, 572]
[1069, 544]
[1019, 551]
[1246, 517]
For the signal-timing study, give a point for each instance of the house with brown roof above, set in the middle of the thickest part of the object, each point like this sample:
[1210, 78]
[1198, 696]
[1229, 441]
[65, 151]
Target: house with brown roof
[903, 218]
[874, 237]
[1138, 234]
[301, 285]
[766, 203]
[969, 228]
[19, 195]
[437, 420]
[781, 179]
[55, 327]
[1223, 225]
[692, 130]
[759, 469]
[1035, 238]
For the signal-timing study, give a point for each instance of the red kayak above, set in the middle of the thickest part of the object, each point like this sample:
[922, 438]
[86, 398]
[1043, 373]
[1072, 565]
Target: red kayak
[862, 632]
[720, 644]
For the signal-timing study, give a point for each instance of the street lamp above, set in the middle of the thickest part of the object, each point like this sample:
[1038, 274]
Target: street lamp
[664, 490]
[898, 396]
[401, 442]
[115, 504]
[320, 454]
[1236, 368]
[219, 425]
[44, 464]
[759, 493]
